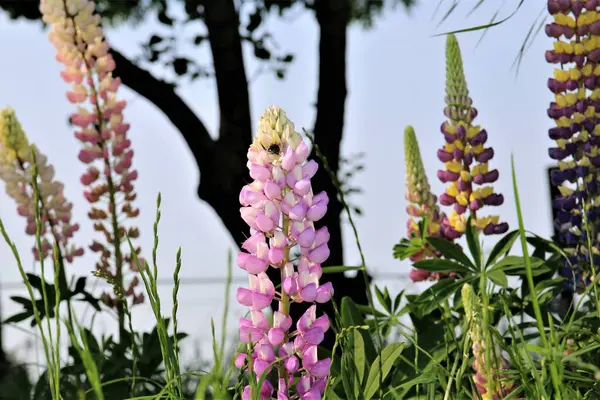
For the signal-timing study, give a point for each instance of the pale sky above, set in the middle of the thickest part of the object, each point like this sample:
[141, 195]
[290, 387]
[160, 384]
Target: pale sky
[395, 78]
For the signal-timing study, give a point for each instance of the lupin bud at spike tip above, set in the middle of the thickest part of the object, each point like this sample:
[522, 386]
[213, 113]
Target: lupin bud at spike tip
[465, 158]
[281, 210]
[576, 88]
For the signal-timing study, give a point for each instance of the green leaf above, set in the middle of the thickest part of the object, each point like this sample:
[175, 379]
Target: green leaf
[451, 251]
[473, 243]
[430, 299]
[384, 300]
[441, 265]
[347, 381]
[498, 277]
[378, 372]
[486, 26]
[359, 356]
[502, 247]
[515, 265]
[18, 317]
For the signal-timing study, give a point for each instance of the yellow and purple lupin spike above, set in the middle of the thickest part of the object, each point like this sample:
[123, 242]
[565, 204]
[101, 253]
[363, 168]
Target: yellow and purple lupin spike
[575, 110]
[466, 189]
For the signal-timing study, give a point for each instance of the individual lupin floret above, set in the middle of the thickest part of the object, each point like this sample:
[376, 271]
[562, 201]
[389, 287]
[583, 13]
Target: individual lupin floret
[466, 189]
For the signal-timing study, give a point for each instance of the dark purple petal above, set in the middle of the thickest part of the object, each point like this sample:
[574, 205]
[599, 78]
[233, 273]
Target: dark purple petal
[485, 155]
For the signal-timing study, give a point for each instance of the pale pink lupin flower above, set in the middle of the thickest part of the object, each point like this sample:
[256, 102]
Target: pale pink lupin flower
[81, 48]
[281, 210]
[17, 171]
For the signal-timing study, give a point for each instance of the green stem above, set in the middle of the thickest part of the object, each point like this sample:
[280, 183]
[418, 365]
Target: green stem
[284, 305]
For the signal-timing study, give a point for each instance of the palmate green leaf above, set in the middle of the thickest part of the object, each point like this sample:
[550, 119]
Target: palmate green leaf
[431, 298]
[384, 299]
[515, 265]
[498, 277]
[441, 265]
[451, 251]
[389, 355]
[502, 247]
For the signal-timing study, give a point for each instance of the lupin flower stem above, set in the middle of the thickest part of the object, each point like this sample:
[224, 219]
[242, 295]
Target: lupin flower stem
[18, 160]
[576, 88]
[81, 47]
[281, 210]
[465, 145]
[422, 204]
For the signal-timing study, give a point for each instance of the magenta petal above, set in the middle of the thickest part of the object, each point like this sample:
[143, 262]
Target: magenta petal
[264, 223]
[250, 333]
[307, 237]
[255, 265]
[322, 236]
[309, 357]
[319, 254]
[320, 384]
[276, 336]
[316, 211]
[280, 320]
[301, 152]
[312, 394]
[314, 335]
[321, 368]
[302, 187]
[259, 172]
[298, 212]
[323, 322]
[299, 343]
[266, 391]
[244, 297]
[306, 320]
[242, 259]
[261, 301]
[292, 364]
[310, 169]
[290, 286]
[303, 385]
[288, 161]
[282, 396]
[276, 255]
[324, 292]
[240, 359]
[260, 366]
[246, 393]
[309, 292]
[251, 244]
[272, 190]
